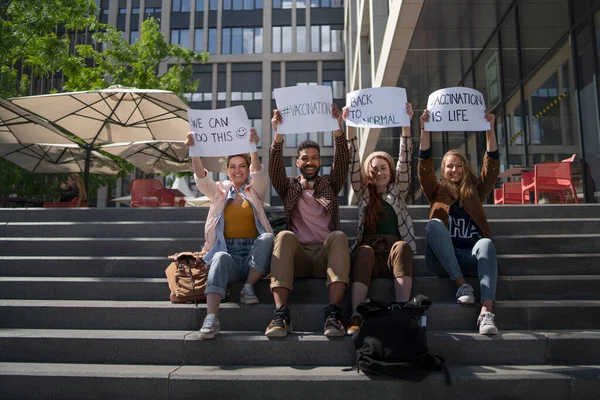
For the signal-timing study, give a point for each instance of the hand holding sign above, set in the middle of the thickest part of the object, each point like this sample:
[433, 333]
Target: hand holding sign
[221, 132]
[456, 109]
[304, 109]
[377, 107]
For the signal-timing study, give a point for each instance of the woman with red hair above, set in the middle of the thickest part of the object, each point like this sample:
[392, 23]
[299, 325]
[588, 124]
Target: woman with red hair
[385, 240]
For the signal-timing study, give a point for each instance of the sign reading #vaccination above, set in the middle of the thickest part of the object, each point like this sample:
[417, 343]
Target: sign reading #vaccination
[456, 109]
[222, 132]
[305, 109]
[381, 107]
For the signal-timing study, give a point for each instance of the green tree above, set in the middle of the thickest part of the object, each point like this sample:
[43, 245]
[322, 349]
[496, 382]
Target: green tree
[35, 43]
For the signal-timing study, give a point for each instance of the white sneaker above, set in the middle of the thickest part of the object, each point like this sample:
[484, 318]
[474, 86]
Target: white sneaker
[247, 295]
[210, 328]
[487, 324]
[464, 294]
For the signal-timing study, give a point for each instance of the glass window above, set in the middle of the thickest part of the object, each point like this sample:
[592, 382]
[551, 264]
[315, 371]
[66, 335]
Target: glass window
[122, 11]
[248, 38]
[336, 40]
[258, 4]
[212, 41]
[134, 36]
[199, 40]
[226, 41]
[276, 39]
[315, 3]
[196, 97]
[221, 96]
[300, 39]
[325, 38]
[315, 38]
[286, 4]
[199, 5]
[226, 4]
[185, 6]
[248, 4]
[176, 6]
[258, 40]
[236, 41]
[174, 36]
[300, 3]
[208, 96]
[238, 4]
[135, 10]
[236, 96]
[276, 3]
[214, 4]
[286, 39]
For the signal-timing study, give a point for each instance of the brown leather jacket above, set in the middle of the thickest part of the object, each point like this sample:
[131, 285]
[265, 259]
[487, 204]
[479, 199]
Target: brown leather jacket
[440, 199]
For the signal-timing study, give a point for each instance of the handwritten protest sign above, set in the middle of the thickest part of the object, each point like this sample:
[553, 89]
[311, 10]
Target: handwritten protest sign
[377, 107]
[456, 109]
[305, 109]
[220, 132]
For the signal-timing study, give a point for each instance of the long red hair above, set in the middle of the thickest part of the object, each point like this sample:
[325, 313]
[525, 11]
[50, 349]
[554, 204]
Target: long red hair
[375, 206]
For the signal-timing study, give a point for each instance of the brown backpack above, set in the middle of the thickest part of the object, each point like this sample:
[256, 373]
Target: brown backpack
[187, 277]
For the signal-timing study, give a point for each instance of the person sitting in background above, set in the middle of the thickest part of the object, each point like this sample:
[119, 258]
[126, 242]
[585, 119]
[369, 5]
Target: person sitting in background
[457, 234]
[238, 236]
[385, 240]
[73, 188]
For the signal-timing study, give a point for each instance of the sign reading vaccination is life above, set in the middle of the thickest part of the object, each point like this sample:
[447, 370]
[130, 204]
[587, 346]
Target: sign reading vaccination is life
[377, 107]
[220, 132]
[305, 109]
[456, 109]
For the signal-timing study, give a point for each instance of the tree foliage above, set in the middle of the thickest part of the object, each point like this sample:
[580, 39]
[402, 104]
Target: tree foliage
[35, 43]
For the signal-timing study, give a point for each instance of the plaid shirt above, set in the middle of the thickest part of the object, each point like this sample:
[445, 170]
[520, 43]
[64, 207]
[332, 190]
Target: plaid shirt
[395, 194]
[326, 187]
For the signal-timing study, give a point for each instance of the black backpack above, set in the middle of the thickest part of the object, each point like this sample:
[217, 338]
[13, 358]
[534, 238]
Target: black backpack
[392, 342]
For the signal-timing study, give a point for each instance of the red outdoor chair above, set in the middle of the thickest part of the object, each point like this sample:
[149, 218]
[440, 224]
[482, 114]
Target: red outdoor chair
[550, 177]
[151, 193]
[65, 204]
[498, 199]
[512, 193]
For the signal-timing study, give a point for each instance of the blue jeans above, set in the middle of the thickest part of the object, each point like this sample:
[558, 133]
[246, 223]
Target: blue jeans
[234, 264]
[442, 259]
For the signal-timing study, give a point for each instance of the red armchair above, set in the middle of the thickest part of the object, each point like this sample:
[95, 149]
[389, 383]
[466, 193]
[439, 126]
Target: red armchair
[65, 204]
[550, 177]
[151, 193]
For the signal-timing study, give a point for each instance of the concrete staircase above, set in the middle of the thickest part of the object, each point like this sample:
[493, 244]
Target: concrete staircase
[84, 314]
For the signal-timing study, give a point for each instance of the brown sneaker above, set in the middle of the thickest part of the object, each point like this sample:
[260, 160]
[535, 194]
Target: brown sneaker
[333, 323]
[354, 324]
[281, 324]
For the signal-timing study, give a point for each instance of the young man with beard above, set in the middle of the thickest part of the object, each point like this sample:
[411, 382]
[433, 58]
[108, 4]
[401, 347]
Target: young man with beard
[313, 247]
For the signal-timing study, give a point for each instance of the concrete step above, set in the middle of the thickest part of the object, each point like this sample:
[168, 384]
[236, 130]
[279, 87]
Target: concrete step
[539, 287]
[154, 266]
[300, 348]
[346, 212]
[145, 315]
[99, 381]
[151, 246]
[182, 229]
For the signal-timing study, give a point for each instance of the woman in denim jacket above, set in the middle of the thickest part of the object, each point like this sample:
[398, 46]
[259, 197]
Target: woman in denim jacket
[238, 236]
[458, 234]
[385, 240]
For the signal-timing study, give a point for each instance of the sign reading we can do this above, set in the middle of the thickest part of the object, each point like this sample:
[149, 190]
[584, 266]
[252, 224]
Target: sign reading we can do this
[456, 109]
[222, 132]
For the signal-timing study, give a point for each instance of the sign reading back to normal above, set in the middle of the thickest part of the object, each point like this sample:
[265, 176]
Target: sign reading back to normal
[305, 109]
[377, 107]
[456, 109]
[221, 132]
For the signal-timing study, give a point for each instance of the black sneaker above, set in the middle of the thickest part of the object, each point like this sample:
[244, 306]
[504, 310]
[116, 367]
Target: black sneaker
[281, 323]
[333, 323]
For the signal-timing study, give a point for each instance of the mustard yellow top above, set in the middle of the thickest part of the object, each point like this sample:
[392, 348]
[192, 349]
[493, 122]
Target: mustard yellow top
[239, 221]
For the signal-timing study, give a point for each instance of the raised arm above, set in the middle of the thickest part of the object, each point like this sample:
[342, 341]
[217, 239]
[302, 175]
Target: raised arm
[207, 186]
[276, 167]
[355, 167]
[257, 174]
[426, 171]
[491, 161]
[341, 155]
[404, 167]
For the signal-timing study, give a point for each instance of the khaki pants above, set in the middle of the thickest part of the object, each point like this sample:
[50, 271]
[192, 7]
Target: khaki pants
[291, 259]
[382, 256]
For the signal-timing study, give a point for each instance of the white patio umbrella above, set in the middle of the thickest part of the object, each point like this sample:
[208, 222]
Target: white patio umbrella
[152, 156]
[113, 115]
[57, 158]
[20, 126]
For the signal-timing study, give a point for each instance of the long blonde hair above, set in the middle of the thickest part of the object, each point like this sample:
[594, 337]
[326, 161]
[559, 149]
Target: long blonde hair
[467, 188]
[80, 187]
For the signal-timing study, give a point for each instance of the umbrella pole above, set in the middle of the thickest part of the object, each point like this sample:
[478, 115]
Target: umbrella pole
[86, 170]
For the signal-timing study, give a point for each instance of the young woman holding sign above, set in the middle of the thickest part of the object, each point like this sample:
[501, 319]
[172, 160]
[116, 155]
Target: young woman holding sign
[385, 241]
[457, 234]
[239, 238]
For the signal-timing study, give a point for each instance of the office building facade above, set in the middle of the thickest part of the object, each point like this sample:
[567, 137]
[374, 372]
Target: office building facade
[536, 63]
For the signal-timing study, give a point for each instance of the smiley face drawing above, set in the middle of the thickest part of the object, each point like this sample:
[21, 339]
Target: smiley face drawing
[241, 133]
